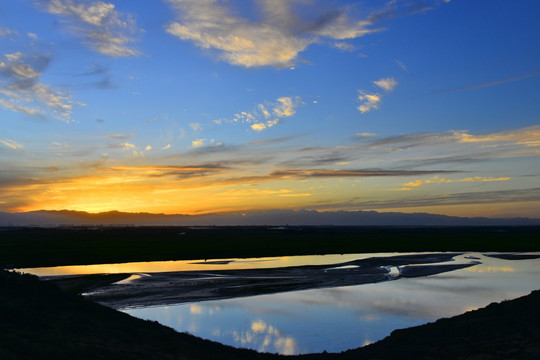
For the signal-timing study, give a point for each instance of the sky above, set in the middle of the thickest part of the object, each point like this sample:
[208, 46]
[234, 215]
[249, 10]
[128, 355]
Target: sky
[205, 106]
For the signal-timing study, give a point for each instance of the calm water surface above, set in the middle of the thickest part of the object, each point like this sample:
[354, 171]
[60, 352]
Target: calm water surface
[198, 265]
[337, 319]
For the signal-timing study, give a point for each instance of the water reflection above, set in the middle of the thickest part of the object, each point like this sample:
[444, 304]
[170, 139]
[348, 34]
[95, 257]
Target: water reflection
[337, 319]
[266, 338]
[198, 265]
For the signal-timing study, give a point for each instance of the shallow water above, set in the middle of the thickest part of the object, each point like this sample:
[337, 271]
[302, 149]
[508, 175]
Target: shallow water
[199, 265]
[337, 319]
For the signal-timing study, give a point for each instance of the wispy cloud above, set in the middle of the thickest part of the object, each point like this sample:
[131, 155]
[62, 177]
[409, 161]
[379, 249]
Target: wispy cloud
[364, 135]
[451, 149]
[492, 83]
[118, 136]
[18, 108]
[396, 9]
[352, 173]
[23, 92]
[276, 38]
[172, 171]
[528, 137]
[343, 46]
[437, 180]
[269, 114]
[103, 28]
[12, 144]
[274, 141]
[465, 198]
[401, 65]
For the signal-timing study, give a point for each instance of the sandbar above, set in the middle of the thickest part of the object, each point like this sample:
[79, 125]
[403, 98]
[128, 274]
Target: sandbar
[190, 286]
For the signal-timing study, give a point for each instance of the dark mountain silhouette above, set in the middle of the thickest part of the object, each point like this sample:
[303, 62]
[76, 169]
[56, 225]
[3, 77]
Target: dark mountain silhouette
[269, 217]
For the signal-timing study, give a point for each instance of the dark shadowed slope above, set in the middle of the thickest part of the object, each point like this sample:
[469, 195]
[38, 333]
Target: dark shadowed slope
[38, 321]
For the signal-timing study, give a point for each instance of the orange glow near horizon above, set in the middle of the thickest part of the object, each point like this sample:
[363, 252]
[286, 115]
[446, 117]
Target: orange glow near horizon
[141, 193]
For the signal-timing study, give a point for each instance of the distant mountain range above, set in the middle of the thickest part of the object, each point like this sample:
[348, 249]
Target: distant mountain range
[270, 218]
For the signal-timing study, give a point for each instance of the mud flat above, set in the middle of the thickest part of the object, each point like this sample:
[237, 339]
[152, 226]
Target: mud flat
[189, 286]
[507, 256]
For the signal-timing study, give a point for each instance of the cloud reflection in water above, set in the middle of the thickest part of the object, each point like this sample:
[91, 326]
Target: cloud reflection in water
[266, 338]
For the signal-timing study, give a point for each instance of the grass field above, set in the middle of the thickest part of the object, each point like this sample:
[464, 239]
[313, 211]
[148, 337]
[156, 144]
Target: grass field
[32, 247]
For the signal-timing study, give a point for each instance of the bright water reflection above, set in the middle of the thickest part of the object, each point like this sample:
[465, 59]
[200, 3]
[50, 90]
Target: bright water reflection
[199, 265]
[336, 319]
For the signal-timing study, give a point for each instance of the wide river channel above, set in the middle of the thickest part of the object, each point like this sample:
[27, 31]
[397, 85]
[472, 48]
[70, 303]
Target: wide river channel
[332, 319]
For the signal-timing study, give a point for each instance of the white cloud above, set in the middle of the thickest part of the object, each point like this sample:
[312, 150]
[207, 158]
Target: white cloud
[12, 144]
[127, 145]
[369, 101]
[197, 143]
[260, 119]
[264, 125]
[387, 84]
[166, 147]
[148, 148]
[275, 38]
[258, 126]
[104, 29]
[286, 107]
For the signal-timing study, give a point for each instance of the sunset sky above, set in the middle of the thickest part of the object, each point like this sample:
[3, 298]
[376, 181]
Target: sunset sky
[198, 106]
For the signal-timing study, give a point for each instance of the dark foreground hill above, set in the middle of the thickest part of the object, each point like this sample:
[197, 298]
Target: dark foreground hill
[38, 321]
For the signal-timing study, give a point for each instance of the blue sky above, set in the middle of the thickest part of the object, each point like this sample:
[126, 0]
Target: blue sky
[184, 106]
